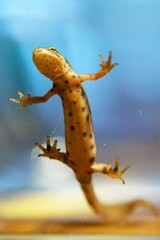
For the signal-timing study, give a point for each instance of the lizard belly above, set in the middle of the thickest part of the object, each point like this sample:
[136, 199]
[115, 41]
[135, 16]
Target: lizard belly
[79, 135]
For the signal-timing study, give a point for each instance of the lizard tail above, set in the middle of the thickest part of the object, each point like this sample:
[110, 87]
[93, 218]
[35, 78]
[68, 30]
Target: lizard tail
[113, 212]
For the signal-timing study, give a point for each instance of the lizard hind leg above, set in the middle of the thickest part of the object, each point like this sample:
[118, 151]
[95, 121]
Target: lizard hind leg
[51, 151]
[118, 211]
[108, 170]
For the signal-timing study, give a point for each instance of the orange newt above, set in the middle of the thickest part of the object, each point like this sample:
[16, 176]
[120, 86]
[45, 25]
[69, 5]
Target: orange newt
[80, 153]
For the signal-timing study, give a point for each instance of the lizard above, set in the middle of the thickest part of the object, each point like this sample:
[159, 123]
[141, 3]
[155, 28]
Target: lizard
[80, 143]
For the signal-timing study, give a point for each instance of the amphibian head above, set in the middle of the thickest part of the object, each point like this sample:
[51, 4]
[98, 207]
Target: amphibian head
[50, 62]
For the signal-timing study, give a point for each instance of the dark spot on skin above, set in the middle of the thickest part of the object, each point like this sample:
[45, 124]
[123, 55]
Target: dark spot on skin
[74, 102]
[90, 135]
[87, 118]
[73, 163]
[84, 134]
[73, 76]
[83, 109]
[91, 160]
[54, 85]
[69, 143]
[67, 153]
[83, 94]
[66, 82]
[92, 146]
[70, 90]
[70, 113]
[72, 128]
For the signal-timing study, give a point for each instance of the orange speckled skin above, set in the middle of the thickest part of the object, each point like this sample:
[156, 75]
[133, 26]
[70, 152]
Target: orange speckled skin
[79, 135]
[80, 141]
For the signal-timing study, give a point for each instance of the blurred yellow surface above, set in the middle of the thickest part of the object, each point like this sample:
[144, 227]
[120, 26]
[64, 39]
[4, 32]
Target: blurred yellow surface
[42, 205]
[61, 213]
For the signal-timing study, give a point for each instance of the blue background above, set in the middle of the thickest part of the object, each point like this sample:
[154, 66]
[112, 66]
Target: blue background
[125, 104]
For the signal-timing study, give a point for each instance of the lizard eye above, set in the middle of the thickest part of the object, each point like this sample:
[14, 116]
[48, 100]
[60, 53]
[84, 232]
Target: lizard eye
[52, 49]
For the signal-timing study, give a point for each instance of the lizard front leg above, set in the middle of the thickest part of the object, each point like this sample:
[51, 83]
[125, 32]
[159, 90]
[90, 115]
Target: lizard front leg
[28, 100]
[122, 209]
[106, 67]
